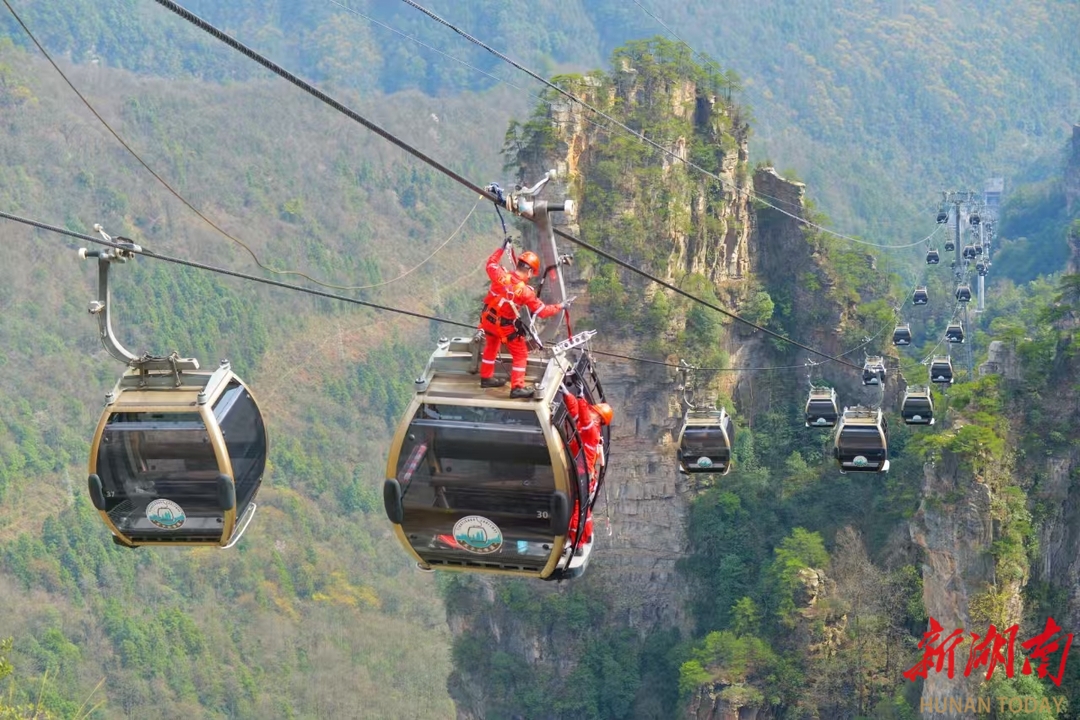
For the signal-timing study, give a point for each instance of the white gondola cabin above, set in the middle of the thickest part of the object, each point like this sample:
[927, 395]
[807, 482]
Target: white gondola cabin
[954, 333]
[963, 294]
[918, 406]
[862, 441]
[705, 440]
[477, 481]
[873, 370]
[821, 408]
[920, 296]
[178, 465]
[941, 370]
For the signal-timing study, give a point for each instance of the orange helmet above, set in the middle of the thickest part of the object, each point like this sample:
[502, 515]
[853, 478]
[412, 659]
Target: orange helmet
[529, 258]
[605, 412]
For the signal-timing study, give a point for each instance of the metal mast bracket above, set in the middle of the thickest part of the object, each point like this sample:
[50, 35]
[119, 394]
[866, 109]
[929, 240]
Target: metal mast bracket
[122, 251]
[523, 202]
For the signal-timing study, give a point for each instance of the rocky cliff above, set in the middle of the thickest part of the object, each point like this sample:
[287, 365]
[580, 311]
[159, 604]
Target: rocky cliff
[601, 646]
[1072, 173]
[677, 223]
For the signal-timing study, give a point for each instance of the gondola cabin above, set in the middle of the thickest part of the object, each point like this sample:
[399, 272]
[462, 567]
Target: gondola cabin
[821, 409]
[862, 441]
[920, 296]
[705, 440]
[941, 370]
[969, 252]
[479, 482]
[975, 219]
[902, 335]
[954, 333]
[918, 406]
[980, 267]
[178, 458]
[932, 257]
[963, 294]
[942, 217]
[873, 371]
[950, 246]
[978, 249]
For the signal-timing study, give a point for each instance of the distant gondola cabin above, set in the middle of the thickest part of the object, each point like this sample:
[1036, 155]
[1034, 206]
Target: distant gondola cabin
[862, 441]
[821, 410]
[705, 441]
[902, 335]
[941, 370]
[918, 406]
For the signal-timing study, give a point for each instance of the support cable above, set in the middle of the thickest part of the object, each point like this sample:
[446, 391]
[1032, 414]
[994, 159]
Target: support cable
[145, 252]
[390, 137]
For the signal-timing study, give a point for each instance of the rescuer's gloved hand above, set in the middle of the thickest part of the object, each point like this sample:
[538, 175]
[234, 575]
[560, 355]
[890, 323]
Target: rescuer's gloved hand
[566, 259]
[568, 302]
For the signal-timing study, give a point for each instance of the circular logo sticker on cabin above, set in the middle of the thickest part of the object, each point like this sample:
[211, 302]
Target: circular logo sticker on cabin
[165, 514]
[478, 535]
[704, 462]
[860, 461]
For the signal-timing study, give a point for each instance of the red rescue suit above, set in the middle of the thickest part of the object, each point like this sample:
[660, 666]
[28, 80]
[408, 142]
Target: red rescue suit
[587, 421]
[508, 291]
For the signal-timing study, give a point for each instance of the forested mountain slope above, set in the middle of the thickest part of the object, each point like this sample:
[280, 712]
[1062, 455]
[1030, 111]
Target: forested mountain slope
[316, 613]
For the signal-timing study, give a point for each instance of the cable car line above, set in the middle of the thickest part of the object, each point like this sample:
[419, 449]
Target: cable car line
[699, 369]
[146, 252]
[195, 210]
[735, 189]
[420, 155]
[232, 273]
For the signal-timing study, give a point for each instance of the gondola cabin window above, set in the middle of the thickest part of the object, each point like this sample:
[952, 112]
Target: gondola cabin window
[245, 439]
[476, 484]
[159, 475]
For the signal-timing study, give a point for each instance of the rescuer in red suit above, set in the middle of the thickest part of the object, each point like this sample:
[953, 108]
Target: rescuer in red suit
[587, 418]
[509, 291]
